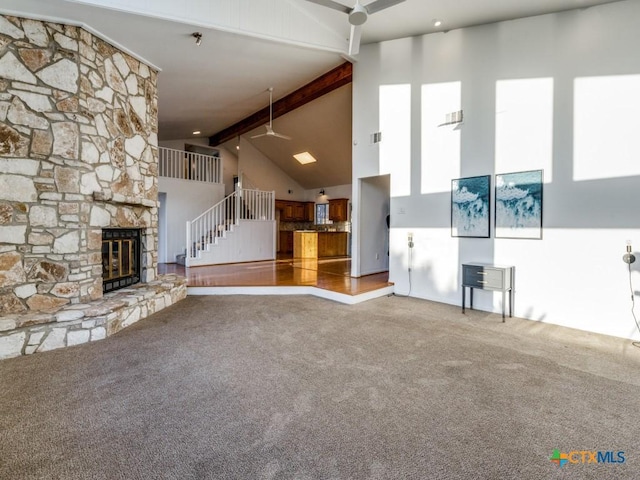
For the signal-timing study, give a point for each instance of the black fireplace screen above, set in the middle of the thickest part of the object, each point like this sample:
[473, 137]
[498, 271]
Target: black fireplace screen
[120, 258]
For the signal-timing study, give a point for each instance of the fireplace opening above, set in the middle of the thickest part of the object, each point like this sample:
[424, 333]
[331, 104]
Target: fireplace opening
[120, 258]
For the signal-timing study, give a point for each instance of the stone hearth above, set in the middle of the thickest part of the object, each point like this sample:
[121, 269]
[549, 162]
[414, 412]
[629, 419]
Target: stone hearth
[81, 323]
[78, 153]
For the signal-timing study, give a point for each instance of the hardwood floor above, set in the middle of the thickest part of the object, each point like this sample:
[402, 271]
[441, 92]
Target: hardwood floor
[326, 273]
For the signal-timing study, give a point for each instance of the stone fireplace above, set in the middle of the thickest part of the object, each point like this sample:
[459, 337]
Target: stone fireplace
[78, 157]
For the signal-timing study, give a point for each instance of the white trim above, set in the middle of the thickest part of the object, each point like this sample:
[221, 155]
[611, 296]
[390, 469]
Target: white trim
[292, 290]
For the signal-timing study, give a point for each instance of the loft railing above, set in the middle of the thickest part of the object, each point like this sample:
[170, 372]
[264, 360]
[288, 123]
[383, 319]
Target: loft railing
[189, 166]
[243, 204]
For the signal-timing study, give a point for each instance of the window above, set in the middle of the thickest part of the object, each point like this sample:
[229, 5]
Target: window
[322, 213]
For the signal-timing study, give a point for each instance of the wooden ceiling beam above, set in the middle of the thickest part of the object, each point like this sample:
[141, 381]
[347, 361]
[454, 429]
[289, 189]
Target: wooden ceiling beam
[336, 78]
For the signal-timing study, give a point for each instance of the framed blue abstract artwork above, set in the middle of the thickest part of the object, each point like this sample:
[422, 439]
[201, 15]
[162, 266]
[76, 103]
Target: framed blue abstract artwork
[519, 205]
[470, 212]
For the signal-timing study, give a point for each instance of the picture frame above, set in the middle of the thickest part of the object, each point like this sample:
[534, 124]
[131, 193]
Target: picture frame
[470, 207]
[518, 205]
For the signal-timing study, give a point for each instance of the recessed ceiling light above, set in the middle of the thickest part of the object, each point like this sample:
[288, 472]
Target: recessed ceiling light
[437, 23]
[197, 132]
[304, 158]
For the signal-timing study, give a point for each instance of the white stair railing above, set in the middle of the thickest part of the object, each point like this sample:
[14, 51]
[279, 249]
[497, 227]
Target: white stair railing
[256, 204]
[189, 165]
[242, 204]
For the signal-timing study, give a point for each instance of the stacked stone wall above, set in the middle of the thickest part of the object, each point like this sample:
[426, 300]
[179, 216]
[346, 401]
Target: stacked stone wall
[78, 153]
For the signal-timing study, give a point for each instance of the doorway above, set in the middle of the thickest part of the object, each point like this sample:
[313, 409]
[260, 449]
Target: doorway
[373, 232]
[162, 228]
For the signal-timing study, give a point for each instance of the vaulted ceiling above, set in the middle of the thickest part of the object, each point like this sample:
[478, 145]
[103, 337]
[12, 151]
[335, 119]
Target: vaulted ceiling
[251, 45]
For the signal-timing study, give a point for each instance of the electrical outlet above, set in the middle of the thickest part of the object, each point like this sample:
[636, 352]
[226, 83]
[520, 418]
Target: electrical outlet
[377, 256]
[410, 239]
[629, 257]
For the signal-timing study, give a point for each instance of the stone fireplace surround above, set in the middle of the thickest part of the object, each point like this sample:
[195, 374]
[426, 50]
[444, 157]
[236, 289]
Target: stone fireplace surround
[78, 153]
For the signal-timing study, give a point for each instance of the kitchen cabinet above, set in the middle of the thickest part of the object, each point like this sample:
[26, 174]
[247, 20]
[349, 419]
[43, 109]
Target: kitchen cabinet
[299, 212]
[286, 241]
[338, 210]
[289, 212]
[332, 244]
[292, 211]
[329, 244]
[310, 211]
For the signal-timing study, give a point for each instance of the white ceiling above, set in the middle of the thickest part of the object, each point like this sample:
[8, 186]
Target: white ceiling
[260, 44]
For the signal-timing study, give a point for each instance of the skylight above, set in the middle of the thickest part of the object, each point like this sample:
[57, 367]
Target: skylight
[304, 158]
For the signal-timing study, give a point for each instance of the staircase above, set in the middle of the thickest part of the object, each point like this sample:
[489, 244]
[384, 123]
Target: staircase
[239, 228]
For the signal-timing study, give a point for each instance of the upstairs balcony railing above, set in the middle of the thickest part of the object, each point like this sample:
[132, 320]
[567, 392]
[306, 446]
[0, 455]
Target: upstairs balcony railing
[189, 166]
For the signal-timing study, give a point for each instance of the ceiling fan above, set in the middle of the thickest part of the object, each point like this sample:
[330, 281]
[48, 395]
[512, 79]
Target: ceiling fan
[357, 16]
[269, 127]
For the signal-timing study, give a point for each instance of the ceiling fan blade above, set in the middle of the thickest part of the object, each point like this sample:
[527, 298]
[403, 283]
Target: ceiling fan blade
[269, 132]
[354, 39]
[332, 4]
[378, 5]
[279, 135]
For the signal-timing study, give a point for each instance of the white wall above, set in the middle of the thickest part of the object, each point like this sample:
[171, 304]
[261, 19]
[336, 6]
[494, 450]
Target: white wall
[337, 191]
[555, 92]
[163, 233]
[229, 169]
[266, 175]
[185, 200]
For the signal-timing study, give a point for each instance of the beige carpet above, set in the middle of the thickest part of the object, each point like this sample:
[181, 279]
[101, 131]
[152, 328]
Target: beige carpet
[304, 388]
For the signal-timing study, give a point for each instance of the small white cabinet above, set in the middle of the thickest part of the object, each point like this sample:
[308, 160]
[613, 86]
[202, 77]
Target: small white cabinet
[488, 277]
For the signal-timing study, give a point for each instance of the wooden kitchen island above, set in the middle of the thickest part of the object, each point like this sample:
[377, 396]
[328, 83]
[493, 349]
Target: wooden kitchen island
[305, 244]
[313, 244]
